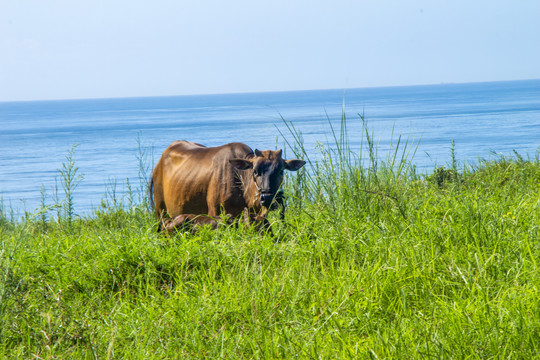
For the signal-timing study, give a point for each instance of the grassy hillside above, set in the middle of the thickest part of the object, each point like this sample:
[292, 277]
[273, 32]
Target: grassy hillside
[373, 260]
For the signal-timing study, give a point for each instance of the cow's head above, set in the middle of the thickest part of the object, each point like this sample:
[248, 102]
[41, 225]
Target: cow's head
[268, 167]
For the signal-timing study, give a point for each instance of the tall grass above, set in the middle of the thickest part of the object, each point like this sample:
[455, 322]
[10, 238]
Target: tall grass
[70, 179]
[373, 261]
[344, 183]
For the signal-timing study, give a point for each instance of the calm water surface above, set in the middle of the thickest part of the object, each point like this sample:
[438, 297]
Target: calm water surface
[35, 137]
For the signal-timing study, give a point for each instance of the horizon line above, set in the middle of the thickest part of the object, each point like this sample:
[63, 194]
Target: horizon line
[265, 91]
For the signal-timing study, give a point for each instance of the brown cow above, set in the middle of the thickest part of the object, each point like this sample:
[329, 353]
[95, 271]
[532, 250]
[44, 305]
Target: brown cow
[191, 179]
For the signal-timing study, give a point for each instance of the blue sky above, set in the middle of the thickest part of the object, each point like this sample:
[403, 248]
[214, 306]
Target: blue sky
[118, 48]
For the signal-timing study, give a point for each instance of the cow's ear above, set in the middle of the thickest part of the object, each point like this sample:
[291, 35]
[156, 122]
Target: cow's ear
[294, 164]
[258, 153]
[241, 164]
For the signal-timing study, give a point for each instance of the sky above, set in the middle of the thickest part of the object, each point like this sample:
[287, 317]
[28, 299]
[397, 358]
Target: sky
[66, 49]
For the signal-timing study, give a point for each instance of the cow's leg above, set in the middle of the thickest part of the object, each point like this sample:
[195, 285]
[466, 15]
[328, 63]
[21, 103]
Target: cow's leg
[259, 221]
[175, 224]
[213, 202]
[190, 222]
[200, 221]
[164, 221]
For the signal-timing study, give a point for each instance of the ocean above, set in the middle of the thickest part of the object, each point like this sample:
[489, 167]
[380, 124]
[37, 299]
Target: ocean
[484, 119]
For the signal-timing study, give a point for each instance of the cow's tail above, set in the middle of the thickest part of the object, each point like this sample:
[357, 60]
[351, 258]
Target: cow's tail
[151, 193]
[151, 202]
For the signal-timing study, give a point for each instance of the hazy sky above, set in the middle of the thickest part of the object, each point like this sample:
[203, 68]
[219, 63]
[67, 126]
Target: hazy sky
[57, 49]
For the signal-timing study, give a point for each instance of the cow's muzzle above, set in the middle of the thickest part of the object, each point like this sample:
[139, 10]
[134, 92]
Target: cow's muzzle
[271, 200]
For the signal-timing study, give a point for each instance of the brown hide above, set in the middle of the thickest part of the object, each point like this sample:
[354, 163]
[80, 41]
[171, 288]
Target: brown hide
[193, 179]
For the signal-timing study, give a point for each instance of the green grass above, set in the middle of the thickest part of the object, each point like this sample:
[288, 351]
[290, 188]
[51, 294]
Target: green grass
[373, 261]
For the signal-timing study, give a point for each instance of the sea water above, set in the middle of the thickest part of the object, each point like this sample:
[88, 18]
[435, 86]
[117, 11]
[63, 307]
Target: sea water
[113, 134]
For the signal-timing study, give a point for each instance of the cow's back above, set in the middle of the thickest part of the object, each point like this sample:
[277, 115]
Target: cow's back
[193, 179]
